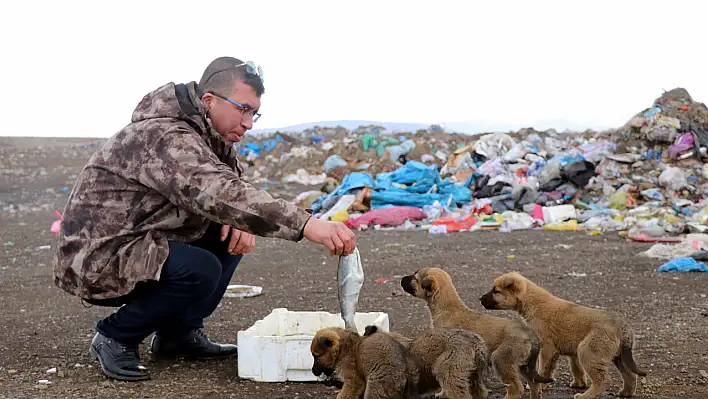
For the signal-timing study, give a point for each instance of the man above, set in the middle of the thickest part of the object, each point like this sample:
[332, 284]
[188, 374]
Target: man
[160, 217]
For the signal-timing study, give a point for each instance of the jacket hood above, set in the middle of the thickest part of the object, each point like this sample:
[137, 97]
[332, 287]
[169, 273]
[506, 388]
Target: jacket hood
[180, 101]
[176, 101]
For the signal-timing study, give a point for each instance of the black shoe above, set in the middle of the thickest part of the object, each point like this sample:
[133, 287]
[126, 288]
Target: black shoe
[118, 360]
[192, 345]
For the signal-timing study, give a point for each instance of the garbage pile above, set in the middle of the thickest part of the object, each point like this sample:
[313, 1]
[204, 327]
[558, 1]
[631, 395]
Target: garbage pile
[646, 179]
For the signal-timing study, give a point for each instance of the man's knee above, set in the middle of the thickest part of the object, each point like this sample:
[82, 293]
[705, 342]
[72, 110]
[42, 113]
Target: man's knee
[206, 275]
[196, 268]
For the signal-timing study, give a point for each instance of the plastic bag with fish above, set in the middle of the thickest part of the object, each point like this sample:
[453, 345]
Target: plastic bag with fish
[350, 279]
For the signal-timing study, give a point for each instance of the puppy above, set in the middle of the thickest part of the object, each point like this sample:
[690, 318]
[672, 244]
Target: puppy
[592, 339]
[513, 346]
[455, 360]
[375, 367]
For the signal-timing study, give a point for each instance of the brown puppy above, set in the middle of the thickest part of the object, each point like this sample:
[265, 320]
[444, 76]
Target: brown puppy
[376, 367]
[452, 360]
[592, 339]
[513, 346]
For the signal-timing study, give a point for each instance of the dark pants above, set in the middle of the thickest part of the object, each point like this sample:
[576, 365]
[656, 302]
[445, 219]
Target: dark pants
[192, 283]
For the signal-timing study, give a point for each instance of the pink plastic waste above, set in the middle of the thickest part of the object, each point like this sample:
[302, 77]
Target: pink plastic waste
[682, 144]
[56, 225]
[391, 216]
[537, 212]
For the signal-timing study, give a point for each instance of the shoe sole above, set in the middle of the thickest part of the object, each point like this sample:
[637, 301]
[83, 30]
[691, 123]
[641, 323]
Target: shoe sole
[94, 356]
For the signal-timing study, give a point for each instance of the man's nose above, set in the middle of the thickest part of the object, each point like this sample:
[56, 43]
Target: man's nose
[247, 121]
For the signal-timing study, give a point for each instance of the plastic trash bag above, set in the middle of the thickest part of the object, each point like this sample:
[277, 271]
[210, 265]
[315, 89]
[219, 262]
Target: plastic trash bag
[493, 167]
[595, 152]
[333, 161]
[673, 178]
[391, 216]
[493, 145]
[395, 151]
[683, 265]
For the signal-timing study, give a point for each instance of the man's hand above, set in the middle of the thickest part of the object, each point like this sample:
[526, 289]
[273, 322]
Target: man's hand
[336, 236]
[240, 243]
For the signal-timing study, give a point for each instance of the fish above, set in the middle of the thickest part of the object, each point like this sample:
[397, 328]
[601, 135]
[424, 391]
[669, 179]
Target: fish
[350, 279]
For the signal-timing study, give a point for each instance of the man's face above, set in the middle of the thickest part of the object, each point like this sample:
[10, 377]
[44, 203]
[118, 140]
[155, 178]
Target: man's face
[229, 120]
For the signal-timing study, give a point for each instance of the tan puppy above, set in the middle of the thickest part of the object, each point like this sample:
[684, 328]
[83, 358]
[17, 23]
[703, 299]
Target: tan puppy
[376, 367]
[452, 360]
[513, 346]
[591, 338]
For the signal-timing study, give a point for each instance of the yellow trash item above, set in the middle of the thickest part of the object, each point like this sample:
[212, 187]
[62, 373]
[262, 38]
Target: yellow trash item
[570, 225]
[341, 216]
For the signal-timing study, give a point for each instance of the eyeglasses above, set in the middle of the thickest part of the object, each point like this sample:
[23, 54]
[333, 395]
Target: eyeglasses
[252, 69]
[244, 108]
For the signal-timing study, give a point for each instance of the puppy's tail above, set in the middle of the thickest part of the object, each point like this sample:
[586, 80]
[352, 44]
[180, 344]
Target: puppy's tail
[529, 369]
[626, 353]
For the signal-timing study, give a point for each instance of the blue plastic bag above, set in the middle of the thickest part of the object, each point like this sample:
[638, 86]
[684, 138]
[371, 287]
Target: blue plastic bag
[333, 161]
[683, 265]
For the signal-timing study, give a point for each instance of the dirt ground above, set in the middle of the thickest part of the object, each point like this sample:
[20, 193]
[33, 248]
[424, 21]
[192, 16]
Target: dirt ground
[41, 327]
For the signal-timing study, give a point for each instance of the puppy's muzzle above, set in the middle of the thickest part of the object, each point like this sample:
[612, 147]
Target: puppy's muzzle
[318, 370]
[487, 300]
[407, 284]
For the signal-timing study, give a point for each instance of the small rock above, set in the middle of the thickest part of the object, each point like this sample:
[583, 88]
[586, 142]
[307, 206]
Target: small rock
[703, 373]
[12, 371]
[78, 365]
[60, 374]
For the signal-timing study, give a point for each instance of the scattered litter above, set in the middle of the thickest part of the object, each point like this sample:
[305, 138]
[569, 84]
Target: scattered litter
[574, 274]
[646, 180]
[52, 370]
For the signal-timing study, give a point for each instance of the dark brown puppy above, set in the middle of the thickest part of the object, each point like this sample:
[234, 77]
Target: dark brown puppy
[452, 361]
[513, 346]
[376, 367]
[592, 339]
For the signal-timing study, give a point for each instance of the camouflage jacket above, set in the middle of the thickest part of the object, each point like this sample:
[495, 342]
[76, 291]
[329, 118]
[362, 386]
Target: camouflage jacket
[162, 177]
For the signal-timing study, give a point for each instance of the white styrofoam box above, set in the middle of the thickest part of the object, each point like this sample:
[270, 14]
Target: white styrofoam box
[277, 347]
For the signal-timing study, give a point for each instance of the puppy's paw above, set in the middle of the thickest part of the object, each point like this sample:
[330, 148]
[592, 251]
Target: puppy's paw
[578, 384]
[441, 395]
[625, 393]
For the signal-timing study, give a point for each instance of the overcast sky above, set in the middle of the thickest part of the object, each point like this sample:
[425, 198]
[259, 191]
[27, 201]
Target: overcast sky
[78, 68]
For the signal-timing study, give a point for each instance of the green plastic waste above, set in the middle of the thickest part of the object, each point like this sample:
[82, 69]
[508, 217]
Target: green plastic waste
[368, 141]
[619, 200]
[384, 143]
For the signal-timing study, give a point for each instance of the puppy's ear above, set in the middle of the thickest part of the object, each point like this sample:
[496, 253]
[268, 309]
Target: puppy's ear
[508, 282]
[427, 284]
[370, 330]
[324, 342]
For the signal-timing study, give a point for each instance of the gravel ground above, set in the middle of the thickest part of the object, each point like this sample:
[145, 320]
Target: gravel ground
[44, 328]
